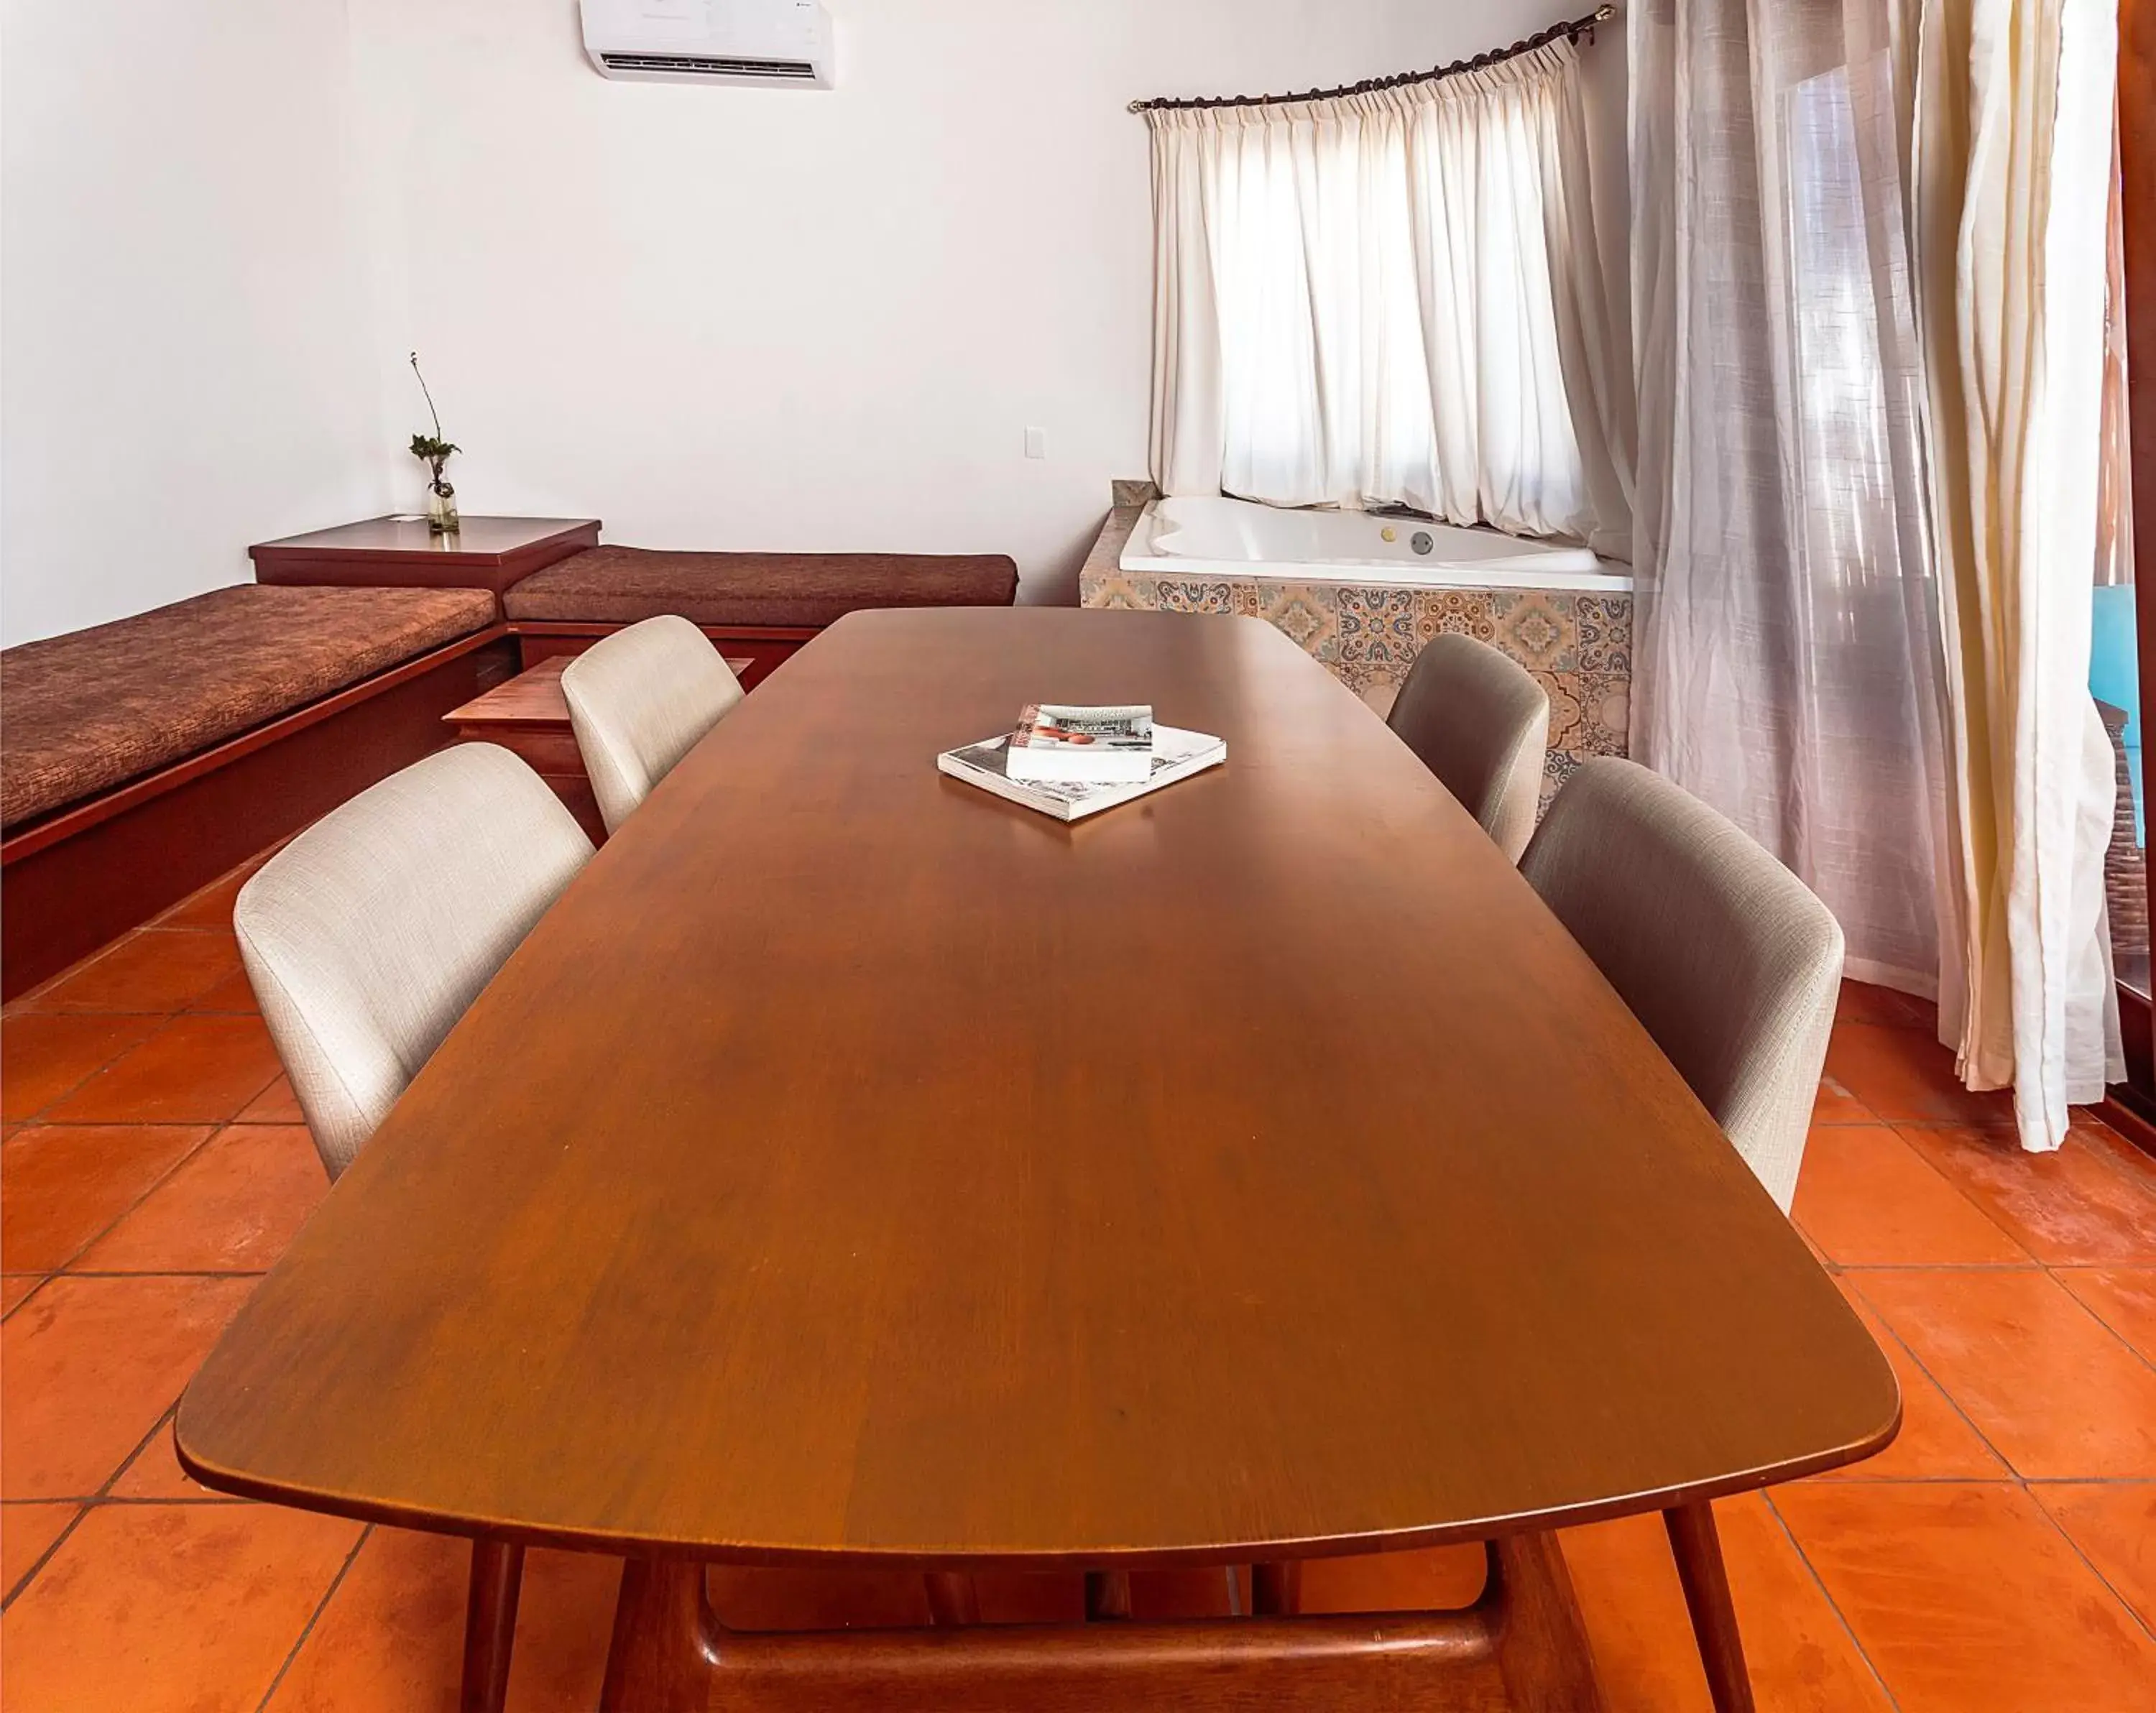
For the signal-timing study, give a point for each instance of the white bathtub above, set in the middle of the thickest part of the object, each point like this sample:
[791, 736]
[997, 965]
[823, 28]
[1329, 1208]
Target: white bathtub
[1217, 537]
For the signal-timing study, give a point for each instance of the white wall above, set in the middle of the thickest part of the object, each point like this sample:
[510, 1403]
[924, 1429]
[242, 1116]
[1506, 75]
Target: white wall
[716, 318]
[184, 343]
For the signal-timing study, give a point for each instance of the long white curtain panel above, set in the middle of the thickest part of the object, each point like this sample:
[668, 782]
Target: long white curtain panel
[1392, 297]
[2012, 146]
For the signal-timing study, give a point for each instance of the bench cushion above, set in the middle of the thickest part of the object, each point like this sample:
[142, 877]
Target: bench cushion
[625, 585]
[97, 708]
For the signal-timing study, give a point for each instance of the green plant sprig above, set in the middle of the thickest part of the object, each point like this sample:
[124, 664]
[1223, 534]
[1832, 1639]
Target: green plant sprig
[431, 450]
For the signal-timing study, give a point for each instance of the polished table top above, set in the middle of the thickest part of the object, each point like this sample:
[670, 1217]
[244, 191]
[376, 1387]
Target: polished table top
[854, 1168]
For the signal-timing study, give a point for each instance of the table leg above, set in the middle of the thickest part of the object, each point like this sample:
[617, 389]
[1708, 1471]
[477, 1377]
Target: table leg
[1698, 1551]
[497, 1577]
[1542, 1651]
[664, 1652]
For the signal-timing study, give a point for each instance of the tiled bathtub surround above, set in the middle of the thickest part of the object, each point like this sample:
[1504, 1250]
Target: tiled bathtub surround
[1580, 646]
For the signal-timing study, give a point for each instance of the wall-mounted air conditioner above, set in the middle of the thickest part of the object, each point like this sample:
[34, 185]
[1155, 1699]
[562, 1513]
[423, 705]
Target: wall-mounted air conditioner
[765, 44]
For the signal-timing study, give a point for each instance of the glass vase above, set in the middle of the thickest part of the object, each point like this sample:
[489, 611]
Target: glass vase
[442, 508]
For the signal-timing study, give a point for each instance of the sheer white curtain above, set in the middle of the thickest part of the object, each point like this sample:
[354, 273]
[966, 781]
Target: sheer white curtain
[1787, 650]
[1392, 297]
[1828, 423]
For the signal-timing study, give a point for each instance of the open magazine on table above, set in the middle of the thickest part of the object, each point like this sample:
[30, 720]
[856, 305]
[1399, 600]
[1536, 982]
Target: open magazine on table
[1177, 755]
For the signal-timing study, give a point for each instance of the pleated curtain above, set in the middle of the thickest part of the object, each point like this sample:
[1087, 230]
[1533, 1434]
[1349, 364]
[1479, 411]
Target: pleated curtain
[1868, 287]
[2012, 153]
[1392, 297]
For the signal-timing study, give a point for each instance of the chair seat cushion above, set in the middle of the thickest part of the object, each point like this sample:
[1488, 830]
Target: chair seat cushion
[615, 586]
[97, 708]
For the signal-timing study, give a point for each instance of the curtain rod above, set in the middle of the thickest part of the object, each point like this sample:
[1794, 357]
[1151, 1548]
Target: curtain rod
[1573, 31]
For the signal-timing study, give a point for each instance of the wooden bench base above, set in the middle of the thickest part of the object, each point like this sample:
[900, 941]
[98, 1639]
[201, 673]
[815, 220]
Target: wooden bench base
[529, 716]
[757, 650]
[82, 877]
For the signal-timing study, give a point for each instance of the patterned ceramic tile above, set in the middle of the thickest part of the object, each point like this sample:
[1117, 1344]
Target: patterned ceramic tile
[1306, 614]
[1580, 646]
[1455, 612]
[1111, 589]
[1377, 628]
[1604, 622]
[1537, 627]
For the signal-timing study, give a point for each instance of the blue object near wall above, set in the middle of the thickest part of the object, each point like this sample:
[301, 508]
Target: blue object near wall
[2115, 677]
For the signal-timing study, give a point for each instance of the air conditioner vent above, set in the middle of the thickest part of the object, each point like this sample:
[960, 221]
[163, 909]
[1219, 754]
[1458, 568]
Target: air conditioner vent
[767, 44]
[698, 66]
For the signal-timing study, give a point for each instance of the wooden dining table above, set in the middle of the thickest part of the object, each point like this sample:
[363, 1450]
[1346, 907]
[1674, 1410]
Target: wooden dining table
[855, 1170]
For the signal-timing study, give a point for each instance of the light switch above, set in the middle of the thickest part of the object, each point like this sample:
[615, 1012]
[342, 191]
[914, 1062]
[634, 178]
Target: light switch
[1036, 443]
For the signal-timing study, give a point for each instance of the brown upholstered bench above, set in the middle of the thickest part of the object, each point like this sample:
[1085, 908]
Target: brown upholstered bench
[141, 759]
[760, 606]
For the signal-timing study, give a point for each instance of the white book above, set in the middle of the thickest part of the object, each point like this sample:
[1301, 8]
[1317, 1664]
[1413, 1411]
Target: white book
[1056, 741]
[1177, 755]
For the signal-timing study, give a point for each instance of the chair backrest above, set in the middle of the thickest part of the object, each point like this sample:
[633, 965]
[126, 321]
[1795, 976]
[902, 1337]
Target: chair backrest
[638, 700]
[1726, 957]
[367, 935]
[1480, 723]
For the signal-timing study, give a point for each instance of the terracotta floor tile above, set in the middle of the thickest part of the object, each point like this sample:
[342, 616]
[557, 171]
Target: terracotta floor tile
[1860, 1002]
[1867, 1199]
[60, 1185]
[90, 1365]
[275, 1105]
[2114, 1525]
[2136, 1163]
[211, 906]
[44, 1056]
[232, 1208]
[1935, 1442]
[15, 1287]
[1442, 1579]
[391, 1637]
[2122, 1298]
[1966, 1599]
[1799, 1653]
[1902, 1073]
[2074, 1207]
[234, 993]
[170, 1608]
[154, 1473]
[158, 970]
[2056, 1394]
[25, 1531]
[194, 1070]
[1837, 1106]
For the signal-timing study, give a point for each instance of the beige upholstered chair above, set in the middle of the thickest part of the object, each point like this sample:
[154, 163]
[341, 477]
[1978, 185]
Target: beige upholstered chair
[1481, 723]
[639, 701]
[367, 935]
[1724, 954]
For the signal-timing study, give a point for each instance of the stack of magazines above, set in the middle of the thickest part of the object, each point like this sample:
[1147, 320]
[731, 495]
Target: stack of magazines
[1071, 762]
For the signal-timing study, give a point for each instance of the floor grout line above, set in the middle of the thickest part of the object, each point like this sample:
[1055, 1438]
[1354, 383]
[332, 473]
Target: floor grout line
[107, 1228]
[2095, 1569]
[1939, 1386]
[166, 1272]
[2031, 1265]
[102, 1067]
[314, 1618]
[2095, 1315]
[1827, 1594]
[23, 1584]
